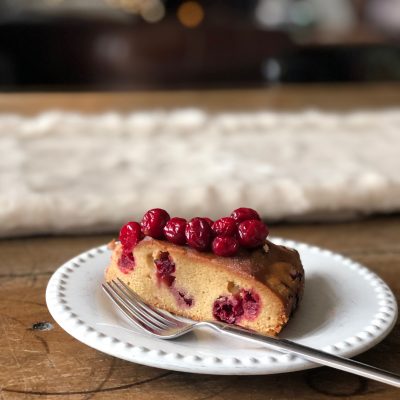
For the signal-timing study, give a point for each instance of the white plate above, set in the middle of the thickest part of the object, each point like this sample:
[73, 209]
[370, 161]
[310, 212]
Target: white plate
[346, 310]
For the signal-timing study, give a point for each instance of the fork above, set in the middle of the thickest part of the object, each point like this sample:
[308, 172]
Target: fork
[163, 325]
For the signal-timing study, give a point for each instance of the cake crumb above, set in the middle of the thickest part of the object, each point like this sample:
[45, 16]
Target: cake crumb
[112, 245]
[266, 248]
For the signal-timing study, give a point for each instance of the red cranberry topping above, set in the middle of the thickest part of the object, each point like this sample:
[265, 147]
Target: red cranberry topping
[224, 227]
[209, 220]
[243, 214]
[252, 233]
[153, 223]
[225, 246]
[130, 235]
[126, 262]
[198, 234]
[251, 303]
[227, 309]
[165, 268]
[174, 230]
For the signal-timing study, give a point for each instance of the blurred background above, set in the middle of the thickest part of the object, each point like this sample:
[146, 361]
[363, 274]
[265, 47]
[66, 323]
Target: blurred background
[172, 44]
[260, 102]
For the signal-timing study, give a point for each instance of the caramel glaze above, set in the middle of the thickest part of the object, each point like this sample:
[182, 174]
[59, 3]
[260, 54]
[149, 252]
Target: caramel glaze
[278, 267]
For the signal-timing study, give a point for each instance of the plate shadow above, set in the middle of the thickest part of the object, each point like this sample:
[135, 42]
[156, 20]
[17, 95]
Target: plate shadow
[315, 309]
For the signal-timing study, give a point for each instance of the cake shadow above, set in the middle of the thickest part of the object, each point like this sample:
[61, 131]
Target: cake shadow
[315, 310]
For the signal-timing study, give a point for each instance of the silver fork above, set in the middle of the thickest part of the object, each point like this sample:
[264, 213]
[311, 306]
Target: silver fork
[164, 325]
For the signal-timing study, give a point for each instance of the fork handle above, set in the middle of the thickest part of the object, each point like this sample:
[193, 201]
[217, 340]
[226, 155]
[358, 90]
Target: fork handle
[311, 354]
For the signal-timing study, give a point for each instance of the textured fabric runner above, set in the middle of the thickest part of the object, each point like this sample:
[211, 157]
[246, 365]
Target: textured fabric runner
[63, 172]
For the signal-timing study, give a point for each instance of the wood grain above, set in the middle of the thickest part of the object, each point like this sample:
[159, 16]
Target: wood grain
[50, 363]
[295, 97]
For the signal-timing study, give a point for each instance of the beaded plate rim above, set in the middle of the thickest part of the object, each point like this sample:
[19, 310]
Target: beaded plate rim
[68, 318]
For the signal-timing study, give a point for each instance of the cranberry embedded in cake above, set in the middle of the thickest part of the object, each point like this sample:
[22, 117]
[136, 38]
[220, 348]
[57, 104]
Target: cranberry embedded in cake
[184, 299]
[165, 268]
[227, 309]
[233, 308]
[251, 303]
[126, 262]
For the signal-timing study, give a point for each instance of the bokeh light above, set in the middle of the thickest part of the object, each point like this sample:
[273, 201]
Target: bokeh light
[190, 14]
[152, 10]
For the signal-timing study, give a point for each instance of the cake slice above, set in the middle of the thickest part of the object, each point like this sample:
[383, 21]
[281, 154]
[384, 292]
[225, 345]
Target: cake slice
[257, 288]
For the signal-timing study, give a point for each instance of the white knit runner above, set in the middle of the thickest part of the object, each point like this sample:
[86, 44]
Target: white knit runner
[62, 172]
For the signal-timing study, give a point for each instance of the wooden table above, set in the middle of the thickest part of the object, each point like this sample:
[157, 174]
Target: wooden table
[37, 363]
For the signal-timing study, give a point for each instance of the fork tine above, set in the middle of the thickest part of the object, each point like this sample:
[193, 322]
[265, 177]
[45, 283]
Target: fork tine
[139, 310]
[130, 307]
[125, 310]
[161, 316]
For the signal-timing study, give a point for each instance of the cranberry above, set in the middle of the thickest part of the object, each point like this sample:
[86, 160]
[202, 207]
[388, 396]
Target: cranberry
[126, 262]
[296, 276]
[153, 223]
[251, 303]
[174, 230]
[252, 233]
[198, 234]
[187, 300]
[165, 268]
[227, 309]
[225, 246]
[209, 220]
[224, 227]
[242, 214]
[130, 235]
